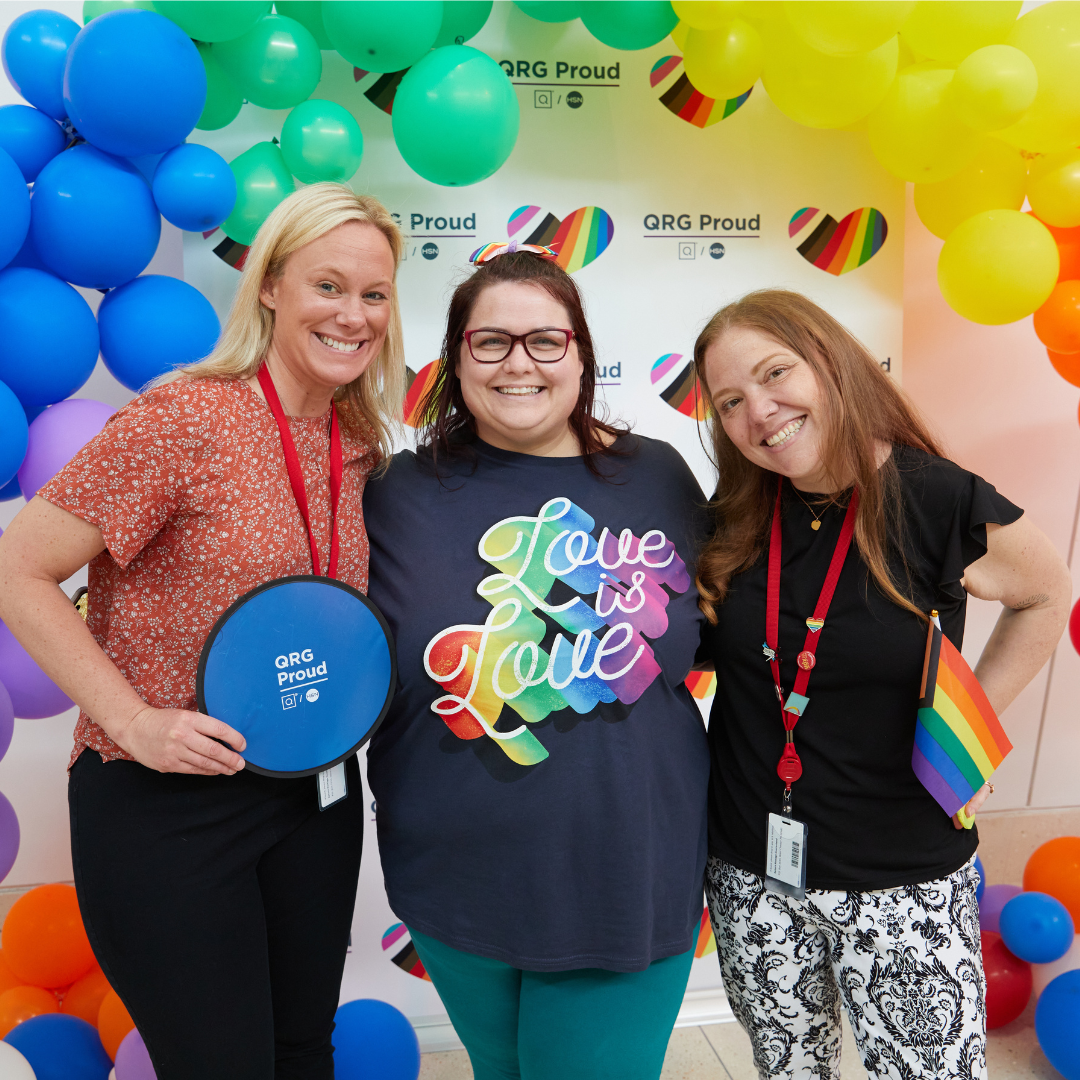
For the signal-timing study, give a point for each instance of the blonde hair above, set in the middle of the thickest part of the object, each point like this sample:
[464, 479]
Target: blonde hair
[374, 400]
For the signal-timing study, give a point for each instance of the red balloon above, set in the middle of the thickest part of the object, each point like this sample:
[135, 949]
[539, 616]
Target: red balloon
[1008, 981]
[1074, 622]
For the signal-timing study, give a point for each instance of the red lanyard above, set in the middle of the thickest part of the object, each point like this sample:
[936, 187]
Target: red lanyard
[790, 767]
[296, 476]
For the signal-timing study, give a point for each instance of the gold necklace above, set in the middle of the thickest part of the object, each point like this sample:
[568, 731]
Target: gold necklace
[816, 523]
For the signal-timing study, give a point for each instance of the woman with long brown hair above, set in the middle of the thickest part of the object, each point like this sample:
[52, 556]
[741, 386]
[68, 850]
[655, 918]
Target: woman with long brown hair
[834, 875]
[541, 777]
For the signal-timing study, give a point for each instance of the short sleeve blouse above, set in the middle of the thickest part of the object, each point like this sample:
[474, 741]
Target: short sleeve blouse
[188, 486]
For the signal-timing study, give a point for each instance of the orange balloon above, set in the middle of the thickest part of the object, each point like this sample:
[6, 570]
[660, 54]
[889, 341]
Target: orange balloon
[1057, 322]
[1067, 365]
[1068, 245]
[84, 998]
[113, 1023]
[44, 940]
[1054, 868]
[21, 1002]
[8, 978]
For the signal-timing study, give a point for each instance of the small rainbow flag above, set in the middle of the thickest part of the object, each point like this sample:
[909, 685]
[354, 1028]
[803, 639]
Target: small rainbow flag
[959, 740]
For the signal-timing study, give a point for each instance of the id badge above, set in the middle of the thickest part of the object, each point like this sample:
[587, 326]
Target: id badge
[333, 787]
[785, 856]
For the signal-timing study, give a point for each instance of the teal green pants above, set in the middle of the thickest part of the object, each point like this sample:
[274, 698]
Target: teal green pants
[557, 1025]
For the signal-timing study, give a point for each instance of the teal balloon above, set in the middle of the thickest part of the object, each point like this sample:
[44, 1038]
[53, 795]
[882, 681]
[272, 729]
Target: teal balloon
[462, 19]
[629, 24]
[223, 100]
[275, 65]
[553, 11]
[383, 35]
[320, 140]
[308, 12]
[262, 181]
[213, 20]
[455, 116]
[91, 9]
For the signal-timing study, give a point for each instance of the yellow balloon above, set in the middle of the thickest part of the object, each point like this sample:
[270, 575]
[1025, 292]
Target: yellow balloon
[706, 14]
[914, 134]
[1054, 189]
[679, 35]
[724, 63]
[1050, 35]
[823, 91]
[993, 87]
[998, 266]
[840, 28]
[950, 29]
[995, 180]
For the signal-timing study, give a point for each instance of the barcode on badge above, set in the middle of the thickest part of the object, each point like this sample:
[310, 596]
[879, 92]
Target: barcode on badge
[796, 851]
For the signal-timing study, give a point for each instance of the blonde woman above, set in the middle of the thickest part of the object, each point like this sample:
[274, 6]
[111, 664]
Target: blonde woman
[217, 901]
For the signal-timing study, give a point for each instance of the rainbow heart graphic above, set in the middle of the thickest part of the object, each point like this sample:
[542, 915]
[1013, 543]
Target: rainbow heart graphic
[683, 393]
[837, 247]
[815, 624]
[579, 238]
[419, 383]
[680, 96]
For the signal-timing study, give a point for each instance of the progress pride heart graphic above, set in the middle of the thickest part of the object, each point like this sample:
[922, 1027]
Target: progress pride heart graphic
[579, 238]
[837, 247]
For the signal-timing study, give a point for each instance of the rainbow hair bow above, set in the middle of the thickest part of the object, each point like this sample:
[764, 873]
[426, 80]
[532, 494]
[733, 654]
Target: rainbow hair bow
[492, 251]
[959, 741]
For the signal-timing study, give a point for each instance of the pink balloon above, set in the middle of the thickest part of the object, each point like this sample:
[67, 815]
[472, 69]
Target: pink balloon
[56, 436]
[33, 694]
[993, 900]
[133, 1059]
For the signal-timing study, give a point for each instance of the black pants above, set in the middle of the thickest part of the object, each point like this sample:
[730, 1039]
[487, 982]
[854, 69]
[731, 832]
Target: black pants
[219, 909]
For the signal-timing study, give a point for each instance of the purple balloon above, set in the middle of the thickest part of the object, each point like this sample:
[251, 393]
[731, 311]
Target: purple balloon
[33, 694]
[994, 898]
[133, 1059]
[9, 837]
[56, 436]
[7, 720]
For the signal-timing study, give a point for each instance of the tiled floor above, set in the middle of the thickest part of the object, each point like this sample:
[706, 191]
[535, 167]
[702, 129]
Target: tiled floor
[722, 1052]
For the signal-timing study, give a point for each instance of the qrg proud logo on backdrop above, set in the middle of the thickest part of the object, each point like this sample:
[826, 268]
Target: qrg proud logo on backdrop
[501, 663]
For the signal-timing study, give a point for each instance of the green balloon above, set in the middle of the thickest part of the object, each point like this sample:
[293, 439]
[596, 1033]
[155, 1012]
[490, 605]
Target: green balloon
[629, 24]
[320, 140]
[455, 116]
[275, 65]
[213, 20]
[91, 9]
[462, 19]
[551, 10]
[223, 100]
[309, 13]
[262, 181]
[383, 35]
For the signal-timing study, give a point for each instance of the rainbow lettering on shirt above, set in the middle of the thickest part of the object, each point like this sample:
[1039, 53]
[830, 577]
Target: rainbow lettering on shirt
[501, 663]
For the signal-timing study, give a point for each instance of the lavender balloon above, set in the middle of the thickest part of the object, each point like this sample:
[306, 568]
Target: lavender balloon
[7, 720]
[9, 837]
[33, 694]
[56, 436]
[994, 898]
[133, 1059]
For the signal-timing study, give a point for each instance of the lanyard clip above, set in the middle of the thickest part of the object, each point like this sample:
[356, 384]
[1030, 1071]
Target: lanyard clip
[785, 807]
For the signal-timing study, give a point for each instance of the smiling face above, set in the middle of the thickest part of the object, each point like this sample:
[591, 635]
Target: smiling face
[771, 405]
[519, 404]
[332, 305]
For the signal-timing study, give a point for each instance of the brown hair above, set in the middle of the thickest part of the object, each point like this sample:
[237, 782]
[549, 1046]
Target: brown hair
[448, 424]
[863, 406]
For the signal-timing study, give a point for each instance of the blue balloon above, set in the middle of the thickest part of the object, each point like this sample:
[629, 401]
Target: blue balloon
[14, 435]
[11, 490]
[28, 256]
[147, 164]
[35, 50]
[1057, 1023]
[153, 325]
[15, 200]
[30, 137]
[194, 188]
[50, 341]
[93, 218]
[981, 887]
[134, 83]
[1036, 927]
[372, 1038]
[61, 1047]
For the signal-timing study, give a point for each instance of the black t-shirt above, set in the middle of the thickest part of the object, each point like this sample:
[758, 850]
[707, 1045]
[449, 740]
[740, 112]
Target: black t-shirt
[580, 841]
[872, 825]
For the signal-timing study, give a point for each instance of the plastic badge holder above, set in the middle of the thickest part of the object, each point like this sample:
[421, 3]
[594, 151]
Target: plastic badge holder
[304, 667]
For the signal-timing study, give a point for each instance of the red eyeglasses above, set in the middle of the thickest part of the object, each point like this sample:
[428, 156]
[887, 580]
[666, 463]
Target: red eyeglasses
[546, 346]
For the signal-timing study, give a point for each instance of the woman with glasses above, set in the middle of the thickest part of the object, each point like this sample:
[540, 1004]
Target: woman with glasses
[541, 778]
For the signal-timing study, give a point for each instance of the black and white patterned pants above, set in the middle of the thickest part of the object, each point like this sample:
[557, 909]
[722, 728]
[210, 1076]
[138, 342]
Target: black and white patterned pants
[906, 962]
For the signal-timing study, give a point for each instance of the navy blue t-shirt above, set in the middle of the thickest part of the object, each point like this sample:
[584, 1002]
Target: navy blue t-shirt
[541, 779]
